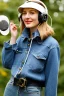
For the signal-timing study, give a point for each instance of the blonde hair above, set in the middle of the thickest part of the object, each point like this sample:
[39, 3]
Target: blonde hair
[44, 29]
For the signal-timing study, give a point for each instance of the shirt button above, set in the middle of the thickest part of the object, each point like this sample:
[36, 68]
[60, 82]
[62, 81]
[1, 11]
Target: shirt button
[16, 51]
[20, 68]
[29, 39]
[38, 57]
[28, 44]
[22, 62]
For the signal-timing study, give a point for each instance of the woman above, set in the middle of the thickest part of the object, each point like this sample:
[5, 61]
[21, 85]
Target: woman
[34, 57]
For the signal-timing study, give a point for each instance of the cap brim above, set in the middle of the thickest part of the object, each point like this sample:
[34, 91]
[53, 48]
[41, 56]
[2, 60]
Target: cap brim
[32, 5]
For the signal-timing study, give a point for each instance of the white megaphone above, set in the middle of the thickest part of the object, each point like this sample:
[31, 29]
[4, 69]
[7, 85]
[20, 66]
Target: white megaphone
[4, 25]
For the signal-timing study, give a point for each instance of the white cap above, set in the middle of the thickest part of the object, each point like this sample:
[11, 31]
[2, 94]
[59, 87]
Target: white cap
[3, 17]
[36, 4]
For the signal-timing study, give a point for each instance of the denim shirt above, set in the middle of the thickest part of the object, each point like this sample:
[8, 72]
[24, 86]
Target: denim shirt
[41, 63]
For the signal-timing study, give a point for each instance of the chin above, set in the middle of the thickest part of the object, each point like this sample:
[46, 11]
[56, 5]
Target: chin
[28, 26]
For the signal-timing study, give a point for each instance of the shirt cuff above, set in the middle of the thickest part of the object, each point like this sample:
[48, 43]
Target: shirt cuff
[8, 46]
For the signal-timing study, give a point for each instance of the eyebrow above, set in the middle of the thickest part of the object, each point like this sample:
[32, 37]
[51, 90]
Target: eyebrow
[31, 10]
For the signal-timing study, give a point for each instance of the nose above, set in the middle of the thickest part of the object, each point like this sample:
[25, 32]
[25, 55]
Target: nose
[27, 15]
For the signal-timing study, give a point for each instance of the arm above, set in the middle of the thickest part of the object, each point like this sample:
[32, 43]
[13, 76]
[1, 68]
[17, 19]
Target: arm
[9, 47]
[8, 54]
[51, 72]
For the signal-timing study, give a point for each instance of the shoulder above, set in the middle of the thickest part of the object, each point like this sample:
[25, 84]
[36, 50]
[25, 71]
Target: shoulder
[51, 42]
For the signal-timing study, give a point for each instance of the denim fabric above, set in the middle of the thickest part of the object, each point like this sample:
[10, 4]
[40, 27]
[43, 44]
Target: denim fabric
[11, 90]
[30, 91]
[42, 63]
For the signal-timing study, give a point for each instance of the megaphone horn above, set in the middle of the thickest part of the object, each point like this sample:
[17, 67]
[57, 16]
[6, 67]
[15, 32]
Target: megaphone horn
[4, 25]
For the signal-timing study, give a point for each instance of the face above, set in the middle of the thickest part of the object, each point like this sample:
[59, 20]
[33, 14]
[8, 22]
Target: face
[30, 17]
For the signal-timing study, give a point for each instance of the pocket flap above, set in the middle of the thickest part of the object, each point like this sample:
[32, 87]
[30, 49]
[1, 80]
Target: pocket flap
[40, 56]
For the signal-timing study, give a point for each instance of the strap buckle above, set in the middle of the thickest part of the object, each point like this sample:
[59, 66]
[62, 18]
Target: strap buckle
[20, 82]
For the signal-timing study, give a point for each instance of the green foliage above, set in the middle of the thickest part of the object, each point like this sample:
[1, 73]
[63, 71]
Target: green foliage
[10, 9]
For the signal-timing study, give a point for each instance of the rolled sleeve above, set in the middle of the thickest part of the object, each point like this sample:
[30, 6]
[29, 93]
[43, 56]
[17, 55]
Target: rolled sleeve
[8, 46]
[8, 54]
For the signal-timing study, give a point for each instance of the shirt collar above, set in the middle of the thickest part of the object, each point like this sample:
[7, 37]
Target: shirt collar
[26, 34]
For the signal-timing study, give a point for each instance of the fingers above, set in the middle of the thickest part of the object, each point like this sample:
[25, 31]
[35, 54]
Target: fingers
[13, 30]
[13, 26]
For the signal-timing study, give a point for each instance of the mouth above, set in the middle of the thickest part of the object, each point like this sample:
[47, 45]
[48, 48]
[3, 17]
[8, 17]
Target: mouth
[28, 22]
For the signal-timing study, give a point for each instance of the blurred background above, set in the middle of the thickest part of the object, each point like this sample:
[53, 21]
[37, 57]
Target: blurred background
[56, 11]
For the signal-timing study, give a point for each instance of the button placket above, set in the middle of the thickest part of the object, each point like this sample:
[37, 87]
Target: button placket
[26, 57]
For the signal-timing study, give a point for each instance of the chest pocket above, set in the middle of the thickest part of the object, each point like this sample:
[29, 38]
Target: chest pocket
[41, 54]
[39, 60]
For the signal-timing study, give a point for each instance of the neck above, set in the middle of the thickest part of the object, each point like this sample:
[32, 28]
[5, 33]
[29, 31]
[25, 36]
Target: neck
[33, 29]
